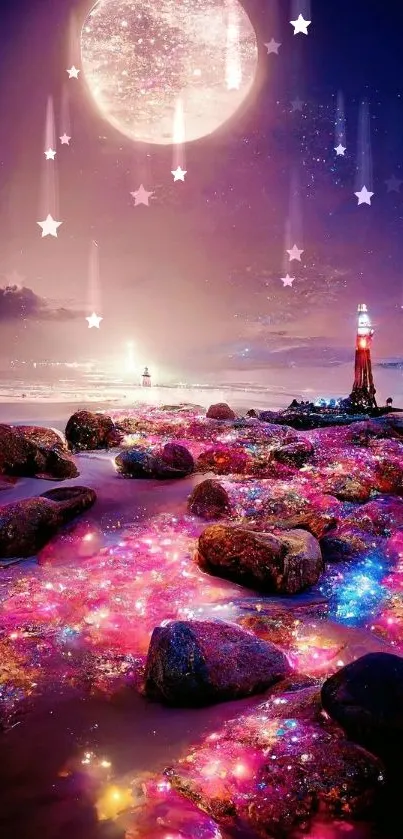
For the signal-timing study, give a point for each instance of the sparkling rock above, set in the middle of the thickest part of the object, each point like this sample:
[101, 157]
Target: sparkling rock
[221, 411]
[34, 452]
[86, 430]
[193, 663]
[290, 510]
[284, 563]
[294, 454]
[175, 461]
[209, 500]
[271, 770]
[225, 460]
[380, 516]
[136, 463]
[347, 542]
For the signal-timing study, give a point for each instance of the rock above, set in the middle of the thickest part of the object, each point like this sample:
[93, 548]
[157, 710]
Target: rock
[225, 460]
[291, 510]
[273, 769]
[209, 500]
[26, 526]
[284, 563]
[135, 463]
[221, 411]
[58, 465]
[366, 699]
[346, 542]
[87, 430]
[294, 454]
[381, 516]
[47, 438]
[361, 433]
[175, 461]
[192, 663]
[389, 475]
[71, 501]
[348, 487]
[22, 456]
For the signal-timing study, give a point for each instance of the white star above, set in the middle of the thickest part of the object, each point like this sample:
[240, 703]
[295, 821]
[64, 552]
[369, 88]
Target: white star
[65, 139]
[300, 25]
[73, 72]
[364, 197]
[49, 226]
[287, 280]
[340, 149]
[179, 174]
[141, 196]
[297, 105]
[393, 184]
[272, 47]
[295, 253]
[50, 154]
[94, 320]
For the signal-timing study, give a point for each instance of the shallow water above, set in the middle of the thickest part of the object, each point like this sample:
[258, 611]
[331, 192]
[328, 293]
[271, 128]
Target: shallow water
[48, 788]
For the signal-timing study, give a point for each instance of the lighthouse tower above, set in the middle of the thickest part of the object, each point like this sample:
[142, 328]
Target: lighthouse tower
[363, 393]
[146, 381]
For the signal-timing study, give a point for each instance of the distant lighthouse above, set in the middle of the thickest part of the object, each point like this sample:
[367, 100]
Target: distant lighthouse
[146, 381]
[363, 392]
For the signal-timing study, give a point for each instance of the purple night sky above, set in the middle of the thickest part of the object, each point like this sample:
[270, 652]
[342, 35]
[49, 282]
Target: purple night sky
[194, 279]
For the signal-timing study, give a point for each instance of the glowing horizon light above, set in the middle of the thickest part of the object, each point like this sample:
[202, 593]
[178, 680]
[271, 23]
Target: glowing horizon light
[191, 50]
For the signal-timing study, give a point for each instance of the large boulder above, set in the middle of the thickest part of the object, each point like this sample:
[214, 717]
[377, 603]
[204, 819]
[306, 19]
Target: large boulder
[283, 562]
[220, 411]
[87, 430]
[294, 454]
[26, 526]
[193, 663]
[366, 699]
[274, 768]
[28, 451]
[209, 500]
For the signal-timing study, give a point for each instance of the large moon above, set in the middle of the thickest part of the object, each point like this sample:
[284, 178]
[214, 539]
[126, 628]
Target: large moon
[140, 58]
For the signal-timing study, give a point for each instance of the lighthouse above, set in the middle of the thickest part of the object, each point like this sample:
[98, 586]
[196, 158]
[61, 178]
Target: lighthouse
[363, 392]
[146, 381]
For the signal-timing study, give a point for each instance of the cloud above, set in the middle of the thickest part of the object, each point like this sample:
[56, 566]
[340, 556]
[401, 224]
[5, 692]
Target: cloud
[21, 303]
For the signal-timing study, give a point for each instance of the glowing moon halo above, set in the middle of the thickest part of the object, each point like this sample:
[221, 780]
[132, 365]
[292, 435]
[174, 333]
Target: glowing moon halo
[139, 58]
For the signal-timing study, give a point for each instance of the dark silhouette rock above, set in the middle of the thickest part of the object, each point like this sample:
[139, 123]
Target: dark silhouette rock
[58, 465]
[366, 699]
[347, 542]
[87, 430]
[209, 500]
[294, 454]
[221, 411]
[283, 562]
[26, 526]
[193, 663]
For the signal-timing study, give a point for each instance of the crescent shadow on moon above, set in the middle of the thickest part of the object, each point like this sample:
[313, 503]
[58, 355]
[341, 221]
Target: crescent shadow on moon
[138, 60]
